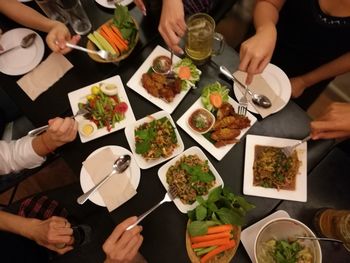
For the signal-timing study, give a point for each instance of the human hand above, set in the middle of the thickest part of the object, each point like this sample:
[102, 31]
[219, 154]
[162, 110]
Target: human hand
[141, 6]
[298, 86]
[256, 52]
[334, 123]
[58, 36]
[60, 131]
[172, 25]
[54, 233]
[122, 245]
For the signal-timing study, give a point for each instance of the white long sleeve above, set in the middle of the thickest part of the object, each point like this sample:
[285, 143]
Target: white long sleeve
[17, 155]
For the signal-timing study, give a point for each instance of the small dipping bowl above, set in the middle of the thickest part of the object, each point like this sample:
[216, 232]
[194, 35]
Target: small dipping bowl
[161, 65]
[201, 120]
[87, 128]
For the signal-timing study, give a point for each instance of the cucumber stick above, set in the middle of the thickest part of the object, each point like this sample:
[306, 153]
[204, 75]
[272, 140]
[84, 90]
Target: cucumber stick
[104, 43]
[95, 41]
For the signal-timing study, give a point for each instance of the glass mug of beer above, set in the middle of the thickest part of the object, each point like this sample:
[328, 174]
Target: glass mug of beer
[200, 38]
[334, 223]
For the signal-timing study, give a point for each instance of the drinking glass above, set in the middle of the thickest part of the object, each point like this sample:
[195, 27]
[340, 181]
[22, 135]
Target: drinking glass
[52, 11]
[200, 38]
[334, 223]
[77, 16]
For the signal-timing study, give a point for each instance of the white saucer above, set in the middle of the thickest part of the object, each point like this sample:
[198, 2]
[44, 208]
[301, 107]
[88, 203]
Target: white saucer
[110, 4]
[20, 60]
[87, 183]
[248, 235]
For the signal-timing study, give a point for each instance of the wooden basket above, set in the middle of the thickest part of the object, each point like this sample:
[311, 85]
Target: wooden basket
[91, 45]
[225, 258]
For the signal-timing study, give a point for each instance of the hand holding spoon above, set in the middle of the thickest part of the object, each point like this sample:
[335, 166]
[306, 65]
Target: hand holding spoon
[258, 99]
[119, 166]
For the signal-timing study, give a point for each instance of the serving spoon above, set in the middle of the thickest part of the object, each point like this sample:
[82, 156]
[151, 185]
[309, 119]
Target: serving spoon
[119, 166]
[258, 99]
[321, 239]
[26, 42]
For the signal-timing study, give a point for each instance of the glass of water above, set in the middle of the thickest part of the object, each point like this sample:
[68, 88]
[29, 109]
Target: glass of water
[77, 16]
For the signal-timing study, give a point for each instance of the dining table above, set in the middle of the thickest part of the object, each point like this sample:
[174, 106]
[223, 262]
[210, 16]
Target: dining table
[164, 230]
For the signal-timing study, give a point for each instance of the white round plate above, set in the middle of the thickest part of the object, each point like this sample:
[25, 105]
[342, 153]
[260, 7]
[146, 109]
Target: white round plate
[87, 183]
[20, 60]
[110, 4]
[277, 80]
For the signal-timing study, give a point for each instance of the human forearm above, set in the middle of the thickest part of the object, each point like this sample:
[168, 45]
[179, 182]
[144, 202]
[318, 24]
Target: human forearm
[16, 224]
[266, 13]
[25, 15]
[332, 69]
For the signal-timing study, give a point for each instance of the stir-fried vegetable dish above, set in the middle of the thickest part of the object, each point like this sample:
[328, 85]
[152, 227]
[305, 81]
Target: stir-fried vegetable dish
[282, 251]
[191, 177]
[104, 110]
[156, 139]
[273, 169]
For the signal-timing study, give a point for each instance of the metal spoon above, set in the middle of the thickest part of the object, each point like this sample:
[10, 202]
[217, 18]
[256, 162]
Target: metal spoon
[119, 166]
[258, 99]
[26, 41]
[321, 239]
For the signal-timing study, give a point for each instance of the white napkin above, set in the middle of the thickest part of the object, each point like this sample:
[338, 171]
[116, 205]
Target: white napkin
[259, 85]
[44, 75]
[118, 189]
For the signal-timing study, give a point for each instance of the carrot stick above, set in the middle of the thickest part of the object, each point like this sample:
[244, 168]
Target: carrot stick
[202, 238]
[110, 41]
[119, 43]
[209, 243]
[117, 31]
[220, 228]
[218, 250]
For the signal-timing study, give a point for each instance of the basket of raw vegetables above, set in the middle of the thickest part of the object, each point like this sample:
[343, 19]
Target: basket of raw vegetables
[214, 226]
[118, 36]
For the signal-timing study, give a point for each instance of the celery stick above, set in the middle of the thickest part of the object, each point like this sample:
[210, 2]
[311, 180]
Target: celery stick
[206, 250]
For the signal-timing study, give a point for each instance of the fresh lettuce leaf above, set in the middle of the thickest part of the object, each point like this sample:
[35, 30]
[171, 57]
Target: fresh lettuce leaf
[213, 88]
[195, 73]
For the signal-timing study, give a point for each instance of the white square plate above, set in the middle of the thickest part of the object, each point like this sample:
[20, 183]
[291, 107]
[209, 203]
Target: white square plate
[135, 82]
[80, 96]
[191, 151]
[300, 192]
[218, 153]
[249, 234]
[130, 136]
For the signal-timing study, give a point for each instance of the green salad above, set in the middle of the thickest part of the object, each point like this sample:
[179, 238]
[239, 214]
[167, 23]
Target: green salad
[187, 72]
[214, 95]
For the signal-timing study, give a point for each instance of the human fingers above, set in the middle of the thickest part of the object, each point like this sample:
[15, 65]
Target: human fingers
[249, 79]
[119, 230]
[73, 40]
[128, 235]
[330, 135]
[133, 246]
[141, 6]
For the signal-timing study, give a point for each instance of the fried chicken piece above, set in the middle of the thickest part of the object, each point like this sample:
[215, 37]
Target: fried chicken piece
[150, 85]
[226, 109]
[235, 122]
[167, 94]
[225, 134]
[158, 78]
[221, 143]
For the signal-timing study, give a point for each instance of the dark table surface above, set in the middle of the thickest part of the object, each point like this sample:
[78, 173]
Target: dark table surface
[164, 229]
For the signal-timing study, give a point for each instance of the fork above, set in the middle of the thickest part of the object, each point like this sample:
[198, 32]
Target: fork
[170, 195]
[101, 53]
[41, 129]
[243, 104]
[288, 150]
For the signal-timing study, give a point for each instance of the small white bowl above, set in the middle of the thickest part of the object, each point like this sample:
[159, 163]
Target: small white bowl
[285, 229]
[87, 128]
[205, 115]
